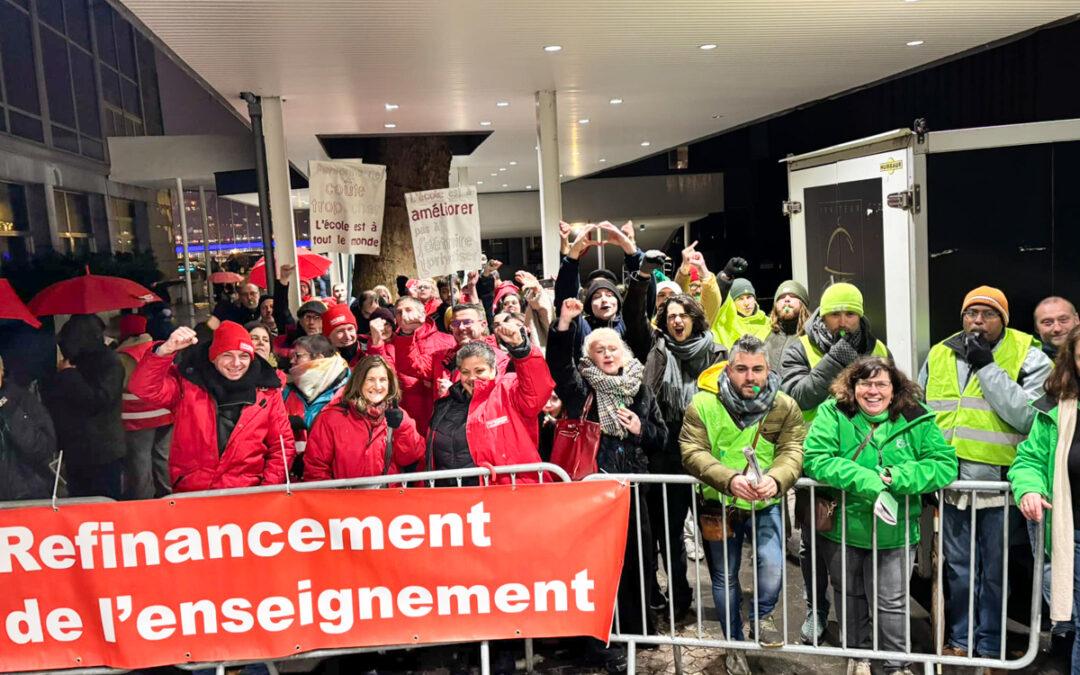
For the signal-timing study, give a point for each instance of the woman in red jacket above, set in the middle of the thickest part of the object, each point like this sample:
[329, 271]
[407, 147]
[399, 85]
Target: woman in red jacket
[366, 433]
[230, 427]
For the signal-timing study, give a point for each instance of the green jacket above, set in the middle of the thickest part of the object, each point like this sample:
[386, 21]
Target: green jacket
[911, 448]
[1033, 468]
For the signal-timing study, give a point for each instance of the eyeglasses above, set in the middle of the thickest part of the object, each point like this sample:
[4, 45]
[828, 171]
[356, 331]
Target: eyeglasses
[462, 323]
[873, 386]
[985, 314]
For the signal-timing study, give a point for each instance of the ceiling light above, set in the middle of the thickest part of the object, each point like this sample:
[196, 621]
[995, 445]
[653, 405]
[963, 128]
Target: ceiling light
[391, 106]
[717, 116]
[707, 47]
[485, 123]
[914, 43]
[615, 101]
[505, 185]
[502, 104]
[513, 163]
[583, 120]
[602, 160]
[528, 187]
[553, 48]
[390, 125]
[645, 144]
[479, 182]
[502, 168]
[494, 174]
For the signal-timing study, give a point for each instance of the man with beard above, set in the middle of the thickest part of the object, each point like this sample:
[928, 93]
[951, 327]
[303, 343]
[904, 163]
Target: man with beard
[680, 347]
[243, 312]
[787, 319]
[468, 325]
[1054, 318]
[835, 335]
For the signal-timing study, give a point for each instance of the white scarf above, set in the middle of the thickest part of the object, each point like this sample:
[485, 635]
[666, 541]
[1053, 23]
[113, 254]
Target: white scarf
[312, 378]
[1061, 524]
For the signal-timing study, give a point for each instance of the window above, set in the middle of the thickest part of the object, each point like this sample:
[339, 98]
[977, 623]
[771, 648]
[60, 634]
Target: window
[15, 242]
[123, 63]
[19, 91]
[122, 225]
[73, 222]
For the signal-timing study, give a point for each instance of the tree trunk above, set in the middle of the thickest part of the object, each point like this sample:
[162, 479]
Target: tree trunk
[413, 163]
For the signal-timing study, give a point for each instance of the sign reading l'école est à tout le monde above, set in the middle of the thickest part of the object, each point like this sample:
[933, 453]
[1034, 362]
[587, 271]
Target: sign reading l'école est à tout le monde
[445, 227]
[347, 201]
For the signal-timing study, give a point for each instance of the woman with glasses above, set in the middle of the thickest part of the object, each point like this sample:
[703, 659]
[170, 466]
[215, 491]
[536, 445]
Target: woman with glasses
[317, 374]
[878, 446]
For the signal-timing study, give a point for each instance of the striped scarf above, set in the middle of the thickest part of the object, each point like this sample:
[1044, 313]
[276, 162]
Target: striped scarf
[613, 391]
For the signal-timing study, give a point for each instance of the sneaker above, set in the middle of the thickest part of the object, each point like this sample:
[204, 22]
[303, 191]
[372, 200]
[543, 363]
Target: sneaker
[856, 667]
[814, 627]
[736, 664]
[692, 551]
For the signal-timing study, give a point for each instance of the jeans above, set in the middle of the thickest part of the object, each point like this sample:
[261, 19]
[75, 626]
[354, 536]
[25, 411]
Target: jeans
[146, 465]
[770, 564]
[893, 570]
[988, 588]
[678, 505]
[1076, 603]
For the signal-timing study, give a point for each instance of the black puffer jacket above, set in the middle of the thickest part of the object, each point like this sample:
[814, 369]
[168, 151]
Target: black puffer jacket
[85, 400]
[447, 445]
[27, 445]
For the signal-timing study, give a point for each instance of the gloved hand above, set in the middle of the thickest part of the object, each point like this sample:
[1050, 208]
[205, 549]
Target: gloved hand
[653, 260]
[843, 352]
[979, 353]
[735, 267]
[394, 417]
[853, 338]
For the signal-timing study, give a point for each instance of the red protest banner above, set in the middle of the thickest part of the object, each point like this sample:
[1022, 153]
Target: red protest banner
[140, 584]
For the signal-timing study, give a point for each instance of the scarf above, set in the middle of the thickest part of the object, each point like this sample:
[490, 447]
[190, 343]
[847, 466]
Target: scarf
[747, 413]
[1061, 525]
[613, 392]
[691, 357]
[312, 378]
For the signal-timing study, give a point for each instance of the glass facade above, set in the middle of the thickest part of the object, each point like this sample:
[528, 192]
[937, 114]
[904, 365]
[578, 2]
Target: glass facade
[73, 222]
[122, 224]
[14, 224]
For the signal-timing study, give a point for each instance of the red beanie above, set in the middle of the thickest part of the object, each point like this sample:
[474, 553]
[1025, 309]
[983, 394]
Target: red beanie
[335, 317]
[132, 325]
[694, 274]
[230, 336]
[504, 289]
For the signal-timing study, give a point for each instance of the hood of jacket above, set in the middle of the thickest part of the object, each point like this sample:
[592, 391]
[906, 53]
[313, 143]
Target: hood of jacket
[603, 284]
[82, 334]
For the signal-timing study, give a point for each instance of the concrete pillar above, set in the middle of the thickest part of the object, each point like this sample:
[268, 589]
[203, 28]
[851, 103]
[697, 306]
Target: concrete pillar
[277, 172]
[206, 246]
[182, 208]
[547, 155]
[459, 175]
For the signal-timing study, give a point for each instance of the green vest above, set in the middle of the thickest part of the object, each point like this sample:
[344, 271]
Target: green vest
[729, 325]
[727, 442]
[966, 419]
[813, 357]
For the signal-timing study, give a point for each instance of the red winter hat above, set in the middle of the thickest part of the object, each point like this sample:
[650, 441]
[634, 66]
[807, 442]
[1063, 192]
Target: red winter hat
[694, 274]
[335, 317]
[228, 337]
[132, 325]
[504, 289]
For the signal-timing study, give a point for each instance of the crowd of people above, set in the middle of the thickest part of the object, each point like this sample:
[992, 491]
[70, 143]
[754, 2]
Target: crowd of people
[683, 375]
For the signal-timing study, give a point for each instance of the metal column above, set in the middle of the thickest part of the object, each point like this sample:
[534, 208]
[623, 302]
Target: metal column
[184, 239]
[255, 112]
[206, 247]
[277, 174]
[547, 154]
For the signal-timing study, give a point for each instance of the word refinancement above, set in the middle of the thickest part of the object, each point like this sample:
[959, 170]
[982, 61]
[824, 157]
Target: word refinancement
[97, 545]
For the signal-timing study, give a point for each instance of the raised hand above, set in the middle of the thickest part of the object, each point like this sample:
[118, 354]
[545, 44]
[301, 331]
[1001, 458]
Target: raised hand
[619, 237]
[688, 256]
[181, 338]
[490, 266]
[376, 328]
[571, 310]
[582, 242]
[285, 273]
[509, 335]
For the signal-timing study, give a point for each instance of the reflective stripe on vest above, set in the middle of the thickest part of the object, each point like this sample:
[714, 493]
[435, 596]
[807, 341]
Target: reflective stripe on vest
[726, 442]
[813, 357]
[966, 418]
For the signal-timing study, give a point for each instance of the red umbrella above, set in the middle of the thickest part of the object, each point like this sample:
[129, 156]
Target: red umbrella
[90, 294]
[226, 278]
[11, 307]
[310, 267]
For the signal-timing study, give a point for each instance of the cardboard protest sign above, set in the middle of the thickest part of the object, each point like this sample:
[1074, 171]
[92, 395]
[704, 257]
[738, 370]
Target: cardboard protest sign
[347, 201]
[445, 228]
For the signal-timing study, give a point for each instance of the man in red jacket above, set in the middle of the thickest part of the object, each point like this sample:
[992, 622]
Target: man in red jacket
[411, 354]
[339, 326]
[147, 428]
[469, 325]
[231, 428]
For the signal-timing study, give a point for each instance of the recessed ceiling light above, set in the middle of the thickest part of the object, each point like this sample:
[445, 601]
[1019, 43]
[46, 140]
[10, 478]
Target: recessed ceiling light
[915, 43]
[502, 104]
[390, 125]
[502, 168]
[479, 182]
[911, 0]
[602, 160]
[505, 185]
[391, 106]
[615, 101]
[513, 163]
[645, 144]
[583, 120]
[707, 47]
[528, 187]
[552, 48]
[494, 174]
[485, 123]
[536, 147]
[717, 116]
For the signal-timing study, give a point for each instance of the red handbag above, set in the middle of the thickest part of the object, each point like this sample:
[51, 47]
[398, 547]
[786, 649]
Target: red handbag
[576, 443]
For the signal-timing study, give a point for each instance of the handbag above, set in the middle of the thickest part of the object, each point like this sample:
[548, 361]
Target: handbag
[825, 507]
[576, 443]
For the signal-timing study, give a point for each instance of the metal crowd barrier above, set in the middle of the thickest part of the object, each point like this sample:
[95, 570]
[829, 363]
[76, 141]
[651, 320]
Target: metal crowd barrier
[485, 475]
[701, 637]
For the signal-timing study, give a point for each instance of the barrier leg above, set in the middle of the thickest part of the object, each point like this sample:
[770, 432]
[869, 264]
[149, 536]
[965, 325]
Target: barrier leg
[676, 651]
[631, 658]
[485, 658]
[528, 655]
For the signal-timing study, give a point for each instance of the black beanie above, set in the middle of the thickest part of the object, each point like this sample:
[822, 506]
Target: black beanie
[598, 284]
